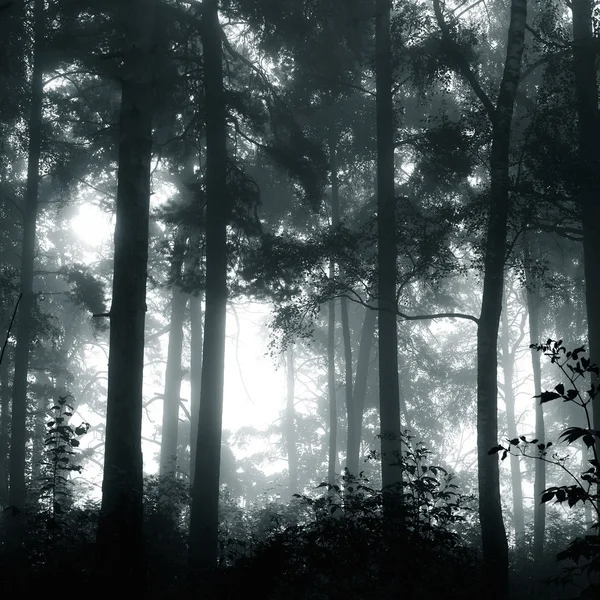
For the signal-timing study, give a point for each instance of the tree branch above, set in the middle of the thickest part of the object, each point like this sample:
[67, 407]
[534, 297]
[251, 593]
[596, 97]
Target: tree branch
[462, 65]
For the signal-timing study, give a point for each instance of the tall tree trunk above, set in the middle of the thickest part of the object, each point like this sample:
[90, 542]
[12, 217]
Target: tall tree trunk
[205, 494]
[331, 378]
[495, 546]
[359, 392]
[389, 394]
[170, 420]
[539, 485]
[351, 415]
[515, 467]
[4, 420]
[195, 376]
[120, 525]
[290, 425]
[331, 385]
[584, 65]
[347, 342]
[18, 438]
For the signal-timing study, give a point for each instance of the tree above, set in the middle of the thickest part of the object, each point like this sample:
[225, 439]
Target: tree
[205, 493]
[389, 393]
[170, 421]
[119, 534]
[500, 114]
[508, 352]
[290, 425]
[17, 492]
[586, 89]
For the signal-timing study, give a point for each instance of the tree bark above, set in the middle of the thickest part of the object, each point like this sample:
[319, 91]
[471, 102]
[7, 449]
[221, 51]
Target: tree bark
[4, 420]
[170, 420]
[205, 494]
[586, 88]
[539, 485]
[119, 535]
[18, 439]
[515, 466]
[495, 546]
[359, 392]
[331, 378]
[389, 393]
[331, 391]
[196, 328]
[290, 425]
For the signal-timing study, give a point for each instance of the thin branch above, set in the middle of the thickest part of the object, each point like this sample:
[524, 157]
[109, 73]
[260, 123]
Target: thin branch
[444, 315]
[342, 83]
[538, 37]
[10, 327]
[462, 65]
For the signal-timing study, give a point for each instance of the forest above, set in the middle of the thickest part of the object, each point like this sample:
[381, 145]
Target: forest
[300, 299]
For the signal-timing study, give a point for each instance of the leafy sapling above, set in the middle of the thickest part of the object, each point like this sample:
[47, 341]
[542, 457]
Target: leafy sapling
[61, 442]
[579, 373]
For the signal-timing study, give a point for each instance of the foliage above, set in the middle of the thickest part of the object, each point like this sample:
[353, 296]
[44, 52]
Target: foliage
[340, 544]
[61, 444]
[583, 553]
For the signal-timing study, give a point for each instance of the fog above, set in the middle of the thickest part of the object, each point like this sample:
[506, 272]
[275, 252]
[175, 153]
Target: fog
[300, 299]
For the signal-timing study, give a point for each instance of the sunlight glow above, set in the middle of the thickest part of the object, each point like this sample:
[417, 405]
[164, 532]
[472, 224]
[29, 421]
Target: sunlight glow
[91, 225]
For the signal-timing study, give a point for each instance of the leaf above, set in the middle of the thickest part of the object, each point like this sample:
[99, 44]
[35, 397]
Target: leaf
[588, 440]
[571, 434]
[495, 450]
[560, 388]
[547, 396]
[547, 496]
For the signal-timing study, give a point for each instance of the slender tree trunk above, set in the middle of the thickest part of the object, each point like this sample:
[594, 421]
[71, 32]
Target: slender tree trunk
[363, 360]
[585, 67]
[331, 378]
[195, 376]
[515, 467]
[539, 485]
[205, 494]
[351, 415]
[4, 420]
[170, 421]
[331, 384]
[39, 415]
[389, 394]
[18, 438]
[290, 425]
[347, 342]
[120, 525]
[495, 546]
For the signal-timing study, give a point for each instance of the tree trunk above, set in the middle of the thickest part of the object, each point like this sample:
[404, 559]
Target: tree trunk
[4, 420]
[515, 466]
[539, 485]
[495, 546]
[18, 438]
[331, 384]
[367, 336]
[120, 524]
[170, 420]
[584, 65]
[331, 378]
[205, 494]
[195, 376]
[290, 426]
[389, 394]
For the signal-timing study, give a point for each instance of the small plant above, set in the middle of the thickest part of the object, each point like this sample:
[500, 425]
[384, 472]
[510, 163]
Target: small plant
[61, 442]
[583, 552]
